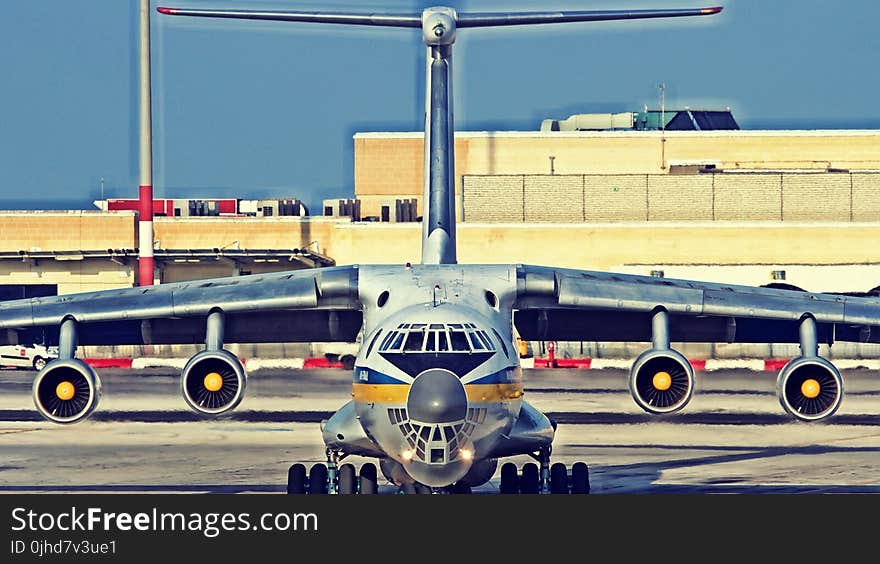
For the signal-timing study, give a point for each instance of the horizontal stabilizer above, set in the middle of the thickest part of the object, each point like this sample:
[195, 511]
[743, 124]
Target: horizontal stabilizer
[526, 18]
[387, 20]
[414, 20]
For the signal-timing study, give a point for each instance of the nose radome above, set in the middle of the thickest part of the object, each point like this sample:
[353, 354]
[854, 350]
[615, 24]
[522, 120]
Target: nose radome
[437, 396]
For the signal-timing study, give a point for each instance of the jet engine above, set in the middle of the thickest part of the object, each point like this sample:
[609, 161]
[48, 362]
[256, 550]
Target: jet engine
[661, 381]
[809, 388]
[213, 382]
[66, 390]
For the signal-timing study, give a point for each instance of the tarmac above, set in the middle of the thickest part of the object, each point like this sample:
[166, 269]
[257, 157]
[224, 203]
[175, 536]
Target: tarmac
[733, 437]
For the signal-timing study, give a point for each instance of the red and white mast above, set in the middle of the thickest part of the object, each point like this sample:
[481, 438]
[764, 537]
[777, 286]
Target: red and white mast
[145, 193]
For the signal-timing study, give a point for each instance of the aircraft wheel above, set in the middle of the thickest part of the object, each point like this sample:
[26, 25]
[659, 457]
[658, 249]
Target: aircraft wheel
[318, 479]
[422, 489]
[296, 479]
[529, 480]
[408, 488]
[369, 484]
[558, 479]
[509, 479]
[347, 479]
[580, 478]
[459, 488]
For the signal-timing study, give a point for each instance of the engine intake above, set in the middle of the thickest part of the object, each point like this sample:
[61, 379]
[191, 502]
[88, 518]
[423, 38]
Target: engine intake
[661, 381]
[809, 388]
[213, 382]
[66, 391]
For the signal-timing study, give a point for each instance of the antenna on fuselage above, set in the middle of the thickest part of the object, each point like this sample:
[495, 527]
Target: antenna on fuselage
[439, 25]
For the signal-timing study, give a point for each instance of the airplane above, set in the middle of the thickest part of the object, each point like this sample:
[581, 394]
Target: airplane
[437, 391]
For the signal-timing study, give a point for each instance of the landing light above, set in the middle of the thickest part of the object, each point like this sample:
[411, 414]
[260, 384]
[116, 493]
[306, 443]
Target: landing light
[466, 454]
[407, 455]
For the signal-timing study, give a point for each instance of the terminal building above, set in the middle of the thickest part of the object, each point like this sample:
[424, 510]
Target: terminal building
[798, 209]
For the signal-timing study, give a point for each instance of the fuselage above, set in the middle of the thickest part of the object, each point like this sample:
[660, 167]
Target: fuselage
[437, 383]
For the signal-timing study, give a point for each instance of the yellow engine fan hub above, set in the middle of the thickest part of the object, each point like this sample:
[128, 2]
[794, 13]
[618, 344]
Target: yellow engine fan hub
[810, 388]
[662, 381]
[213, 382]
[65, 391]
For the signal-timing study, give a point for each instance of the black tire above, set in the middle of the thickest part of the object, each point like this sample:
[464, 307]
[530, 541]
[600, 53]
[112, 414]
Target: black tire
[530, 479]
[296, 479]
[580, 478]
[347, 361]
[558, 479]
[459, 488]
[509, 479]
[318, 479]
[409, 488]
[348, 483]
[39, 363]
[368, 482]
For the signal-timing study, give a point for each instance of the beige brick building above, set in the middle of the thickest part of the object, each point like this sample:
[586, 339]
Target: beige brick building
[389, 165]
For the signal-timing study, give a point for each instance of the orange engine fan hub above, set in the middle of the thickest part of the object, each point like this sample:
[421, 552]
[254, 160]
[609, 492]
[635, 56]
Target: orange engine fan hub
[213, 382]
[662, 381]
[810, 388]
[65, 390]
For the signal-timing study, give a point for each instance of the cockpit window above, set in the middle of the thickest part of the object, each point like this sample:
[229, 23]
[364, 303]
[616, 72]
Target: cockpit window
[437, 337]
[500, 340]
[459, 340]
[413, 341]
[373, 341]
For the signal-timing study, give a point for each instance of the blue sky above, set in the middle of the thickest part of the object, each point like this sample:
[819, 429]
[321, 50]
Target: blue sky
[262, 109]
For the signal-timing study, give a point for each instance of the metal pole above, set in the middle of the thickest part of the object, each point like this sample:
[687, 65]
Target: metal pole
[145, 191]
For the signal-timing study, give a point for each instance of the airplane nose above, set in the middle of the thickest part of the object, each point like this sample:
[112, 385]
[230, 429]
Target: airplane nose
[437, 396]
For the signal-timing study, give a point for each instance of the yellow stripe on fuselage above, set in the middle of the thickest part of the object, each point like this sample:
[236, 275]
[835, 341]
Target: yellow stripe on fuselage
[397, 393]
[493, 392]
[380, 393]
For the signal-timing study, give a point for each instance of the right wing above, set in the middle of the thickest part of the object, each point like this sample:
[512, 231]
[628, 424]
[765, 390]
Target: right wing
[311, 305]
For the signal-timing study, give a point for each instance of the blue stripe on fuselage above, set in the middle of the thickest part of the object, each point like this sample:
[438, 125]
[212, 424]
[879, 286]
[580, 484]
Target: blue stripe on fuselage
[364, 375]
[505, 376]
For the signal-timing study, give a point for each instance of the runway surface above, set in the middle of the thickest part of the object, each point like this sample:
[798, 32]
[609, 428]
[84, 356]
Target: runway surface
[733, 437]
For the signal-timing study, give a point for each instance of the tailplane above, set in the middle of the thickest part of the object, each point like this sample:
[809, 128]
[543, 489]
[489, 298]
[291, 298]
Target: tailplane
[439, 25]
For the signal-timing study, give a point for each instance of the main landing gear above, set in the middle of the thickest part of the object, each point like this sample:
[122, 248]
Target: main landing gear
[543, 477]
[533, 478]
[333, 478]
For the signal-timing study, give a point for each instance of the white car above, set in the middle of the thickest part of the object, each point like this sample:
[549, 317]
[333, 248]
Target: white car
[27, 356]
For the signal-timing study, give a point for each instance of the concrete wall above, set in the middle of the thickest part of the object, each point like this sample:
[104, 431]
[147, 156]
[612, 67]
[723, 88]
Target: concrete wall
[66, 230]
[805, 197]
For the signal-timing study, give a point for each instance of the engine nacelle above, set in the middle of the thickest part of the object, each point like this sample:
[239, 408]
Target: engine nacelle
[213, 382]
[66, 391]
[661, 381]
[809, 388]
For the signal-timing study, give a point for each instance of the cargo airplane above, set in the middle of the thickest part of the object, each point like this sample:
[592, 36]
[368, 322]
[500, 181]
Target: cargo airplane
[437, 393]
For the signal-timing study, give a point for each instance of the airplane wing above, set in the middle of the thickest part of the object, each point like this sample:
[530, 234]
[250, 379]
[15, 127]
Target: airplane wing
[294, 306]
[579, 305]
